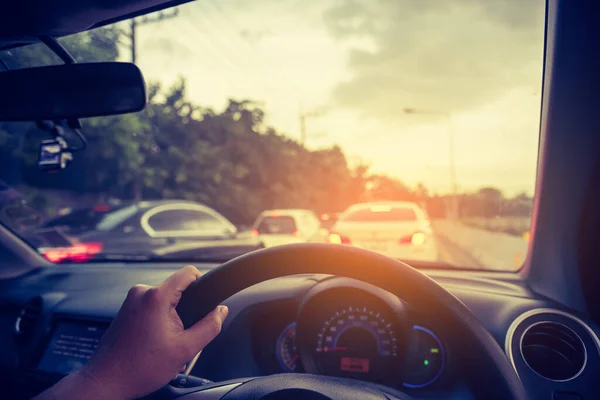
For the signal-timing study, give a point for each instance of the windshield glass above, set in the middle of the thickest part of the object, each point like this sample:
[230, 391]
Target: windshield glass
[267, 105]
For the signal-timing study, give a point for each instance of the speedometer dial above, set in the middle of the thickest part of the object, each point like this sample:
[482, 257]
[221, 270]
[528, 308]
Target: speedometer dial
[357, 342]
[424, 361]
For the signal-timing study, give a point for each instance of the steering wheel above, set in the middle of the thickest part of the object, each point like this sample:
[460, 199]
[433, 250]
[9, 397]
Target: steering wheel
[477, 354]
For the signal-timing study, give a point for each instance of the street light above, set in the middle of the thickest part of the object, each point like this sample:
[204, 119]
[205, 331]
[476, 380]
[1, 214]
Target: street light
[453, 185]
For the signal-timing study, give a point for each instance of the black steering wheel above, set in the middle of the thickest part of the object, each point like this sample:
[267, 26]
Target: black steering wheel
[479, 356]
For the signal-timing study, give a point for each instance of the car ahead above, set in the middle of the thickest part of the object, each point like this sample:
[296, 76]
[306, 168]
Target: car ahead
[328, 220]
[146, 229]
[400, 230]
[276, 227]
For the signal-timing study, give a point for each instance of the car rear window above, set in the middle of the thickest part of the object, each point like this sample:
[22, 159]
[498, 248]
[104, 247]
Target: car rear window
[283, 225]
[382, 214]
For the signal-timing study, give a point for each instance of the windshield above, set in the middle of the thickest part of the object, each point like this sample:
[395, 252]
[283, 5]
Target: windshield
[267, 105]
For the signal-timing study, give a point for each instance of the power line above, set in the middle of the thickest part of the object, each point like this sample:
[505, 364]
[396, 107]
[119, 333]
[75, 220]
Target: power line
[133, 24]
[259, 55]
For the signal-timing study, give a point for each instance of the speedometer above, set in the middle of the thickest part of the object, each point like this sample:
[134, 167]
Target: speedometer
[357, 342]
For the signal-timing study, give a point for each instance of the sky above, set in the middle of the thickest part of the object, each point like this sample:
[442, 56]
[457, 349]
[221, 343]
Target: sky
[389, 81]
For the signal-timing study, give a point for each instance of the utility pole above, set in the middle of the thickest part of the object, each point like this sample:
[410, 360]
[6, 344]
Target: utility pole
[303, 118]
[133, 24]
[302, 129]
[453, 186]
[143, 21]
[132, 39]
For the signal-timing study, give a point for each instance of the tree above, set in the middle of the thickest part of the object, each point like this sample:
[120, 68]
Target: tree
[381, 187]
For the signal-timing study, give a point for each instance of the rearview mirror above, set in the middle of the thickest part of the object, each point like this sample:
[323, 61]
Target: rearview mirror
[71, 91]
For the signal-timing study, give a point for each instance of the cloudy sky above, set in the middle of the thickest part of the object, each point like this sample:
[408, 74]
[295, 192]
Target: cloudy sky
[467, 67]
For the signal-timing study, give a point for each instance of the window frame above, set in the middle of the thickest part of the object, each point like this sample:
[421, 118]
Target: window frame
[144, 221]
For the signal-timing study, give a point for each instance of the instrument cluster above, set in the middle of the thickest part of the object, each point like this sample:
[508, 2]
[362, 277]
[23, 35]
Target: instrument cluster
[352, 333]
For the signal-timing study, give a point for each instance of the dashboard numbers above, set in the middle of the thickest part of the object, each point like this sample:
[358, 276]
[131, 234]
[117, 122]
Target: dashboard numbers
[356, 342]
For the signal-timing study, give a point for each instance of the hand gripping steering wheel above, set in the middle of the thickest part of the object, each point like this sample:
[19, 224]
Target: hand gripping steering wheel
[477, 354]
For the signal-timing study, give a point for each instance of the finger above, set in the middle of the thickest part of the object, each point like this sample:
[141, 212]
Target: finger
[204, 331]
[175, 284]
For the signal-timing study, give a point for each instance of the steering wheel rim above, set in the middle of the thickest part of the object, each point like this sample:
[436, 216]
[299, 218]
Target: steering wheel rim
[479, 355]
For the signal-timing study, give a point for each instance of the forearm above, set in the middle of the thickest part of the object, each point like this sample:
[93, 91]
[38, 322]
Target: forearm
[80, 385]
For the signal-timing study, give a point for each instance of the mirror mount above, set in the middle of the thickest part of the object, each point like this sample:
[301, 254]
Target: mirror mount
[55, 154]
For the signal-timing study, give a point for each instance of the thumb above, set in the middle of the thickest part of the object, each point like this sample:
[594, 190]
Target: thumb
[204, 331]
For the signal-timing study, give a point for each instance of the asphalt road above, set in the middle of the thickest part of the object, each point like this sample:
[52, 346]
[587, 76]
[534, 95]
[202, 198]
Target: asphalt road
[452, 254]
[471, 247]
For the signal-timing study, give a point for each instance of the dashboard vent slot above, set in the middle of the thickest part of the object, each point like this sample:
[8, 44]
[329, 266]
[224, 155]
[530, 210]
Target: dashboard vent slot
[28, 317]
[553, 350]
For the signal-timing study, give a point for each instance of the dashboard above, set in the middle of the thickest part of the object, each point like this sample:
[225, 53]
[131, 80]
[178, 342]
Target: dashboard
[52, 319]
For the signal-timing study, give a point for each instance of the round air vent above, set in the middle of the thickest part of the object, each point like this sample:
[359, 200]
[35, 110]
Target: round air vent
[553, 350]
[28, 317]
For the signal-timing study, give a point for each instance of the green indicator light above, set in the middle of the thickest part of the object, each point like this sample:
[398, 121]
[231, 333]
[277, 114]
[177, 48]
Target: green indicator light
[435, 350]
[426, 362]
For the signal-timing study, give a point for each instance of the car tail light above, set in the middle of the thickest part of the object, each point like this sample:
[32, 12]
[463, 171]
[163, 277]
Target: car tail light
[80, 252]
[336, 238]
[297, 233]
[255, 233]
[417, 238]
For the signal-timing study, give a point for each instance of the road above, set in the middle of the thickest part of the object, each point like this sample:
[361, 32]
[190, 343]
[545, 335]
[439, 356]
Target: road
[452, 254]
[470, 247]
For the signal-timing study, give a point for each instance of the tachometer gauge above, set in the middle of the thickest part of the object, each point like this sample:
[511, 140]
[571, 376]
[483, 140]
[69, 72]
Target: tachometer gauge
[357, 342]
[286, 351]
[424, 359]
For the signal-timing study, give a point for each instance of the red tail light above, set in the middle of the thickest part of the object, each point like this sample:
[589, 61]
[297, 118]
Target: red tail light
[255, 233]
[80, 252]
[336, 238]
[417, 238]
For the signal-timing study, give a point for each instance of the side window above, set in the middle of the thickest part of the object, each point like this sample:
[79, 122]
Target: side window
[185, 220]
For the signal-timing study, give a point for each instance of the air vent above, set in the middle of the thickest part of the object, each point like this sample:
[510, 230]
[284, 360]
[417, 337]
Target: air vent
[553, 350]
[28, 317]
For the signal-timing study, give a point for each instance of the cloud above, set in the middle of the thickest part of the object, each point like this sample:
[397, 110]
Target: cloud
[445, 56]
[254, 36]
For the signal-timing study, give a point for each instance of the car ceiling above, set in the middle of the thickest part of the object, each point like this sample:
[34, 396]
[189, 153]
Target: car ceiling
[24, 21]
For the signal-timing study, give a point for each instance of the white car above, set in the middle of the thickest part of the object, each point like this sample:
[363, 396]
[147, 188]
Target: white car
[277, 227]
[400, 230]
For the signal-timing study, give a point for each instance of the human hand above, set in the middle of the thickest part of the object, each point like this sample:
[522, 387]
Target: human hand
[146, 345]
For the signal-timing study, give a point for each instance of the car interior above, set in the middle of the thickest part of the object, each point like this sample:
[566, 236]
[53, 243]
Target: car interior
[430, 333]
